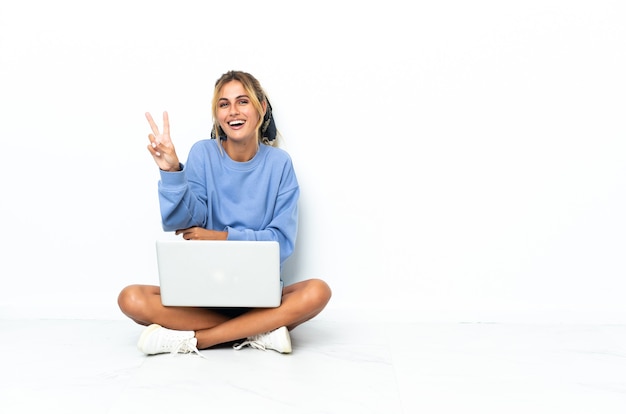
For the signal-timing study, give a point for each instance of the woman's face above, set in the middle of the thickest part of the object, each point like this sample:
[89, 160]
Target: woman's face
[236, 114]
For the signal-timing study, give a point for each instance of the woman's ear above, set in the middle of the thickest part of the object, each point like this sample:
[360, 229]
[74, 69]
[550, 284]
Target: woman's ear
[264, 105]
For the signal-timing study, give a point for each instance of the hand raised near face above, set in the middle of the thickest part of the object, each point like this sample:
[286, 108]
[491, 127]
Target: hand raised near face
[161, 146]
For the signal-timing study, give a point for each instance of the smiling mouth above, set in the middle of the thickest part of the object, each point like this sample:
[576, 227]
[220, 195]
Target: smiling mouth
[236, 123]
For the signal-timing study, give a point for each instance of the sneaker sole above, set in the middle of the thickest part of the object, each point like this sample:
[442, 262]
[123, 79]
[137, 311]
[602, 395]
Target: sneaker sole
[145, 334]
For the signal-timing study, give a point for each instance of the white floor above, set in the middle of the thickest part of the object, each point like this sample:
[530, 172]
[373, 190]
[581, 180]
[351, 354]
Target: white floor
[338, 366]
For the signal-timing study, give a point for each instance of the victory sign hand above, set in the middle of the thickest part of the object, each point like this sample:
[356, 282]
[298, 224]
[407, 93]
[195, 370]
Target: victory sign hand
[161, 146]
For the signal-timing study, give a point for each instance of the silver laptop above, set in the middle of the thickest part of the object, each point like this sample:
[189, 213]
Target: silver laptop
[225, 273]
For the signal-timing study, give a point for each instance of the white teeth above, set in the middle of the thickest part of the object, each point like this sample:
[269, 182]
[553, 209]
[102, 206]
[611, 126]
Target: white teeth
[236, 122]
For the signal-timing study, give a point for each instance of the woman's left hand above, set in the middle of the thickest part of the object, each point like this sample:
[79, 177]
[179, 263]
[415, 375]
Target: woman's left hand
[199, 233]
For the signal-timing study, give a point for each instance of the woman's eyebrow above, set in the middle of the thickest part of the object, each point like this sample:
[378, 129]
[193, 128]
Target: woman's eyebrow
[237, 97]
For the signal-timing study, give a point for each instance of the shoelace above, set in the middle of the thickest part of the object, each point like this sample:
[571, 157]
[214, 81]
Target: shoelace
[254, 342]
[186, 347]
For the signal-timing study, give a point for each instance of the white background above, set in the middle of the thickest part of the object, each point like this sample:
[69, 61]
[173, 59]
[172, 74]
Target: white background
[457, 159]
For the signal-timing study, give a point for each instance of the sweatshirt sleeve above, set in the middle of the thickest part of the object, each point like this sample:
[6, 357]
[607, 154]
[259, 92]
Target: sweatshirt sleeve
[283, 228]
[180, 207]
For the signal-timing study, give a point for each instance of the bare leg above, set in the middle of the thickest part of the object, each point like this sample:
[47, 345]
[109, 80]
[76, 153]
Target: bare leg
[142, 303]
[300, 302]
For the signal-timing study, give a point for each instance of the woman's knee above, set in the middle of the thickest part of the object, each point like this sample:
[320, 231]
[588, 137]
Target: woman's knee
[318, 293]
[131, 299]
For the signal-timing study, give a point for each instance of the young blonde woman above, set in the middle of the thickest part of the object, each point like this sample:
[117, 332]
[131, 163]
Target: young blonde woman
[238, 185]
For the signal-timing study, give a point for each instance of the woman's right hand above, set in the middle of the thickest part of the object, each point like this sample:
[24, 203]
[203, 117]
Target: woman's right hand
[161, 146]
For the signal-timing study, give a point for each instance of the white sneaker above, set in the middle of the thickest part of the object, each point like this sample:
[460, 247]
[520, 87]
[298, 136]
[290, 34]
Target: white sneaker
[277, 340]
[156, 339]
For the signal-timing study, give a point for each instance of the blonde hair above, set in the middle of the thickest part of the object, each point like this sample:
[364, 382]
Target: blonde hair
[257, 96]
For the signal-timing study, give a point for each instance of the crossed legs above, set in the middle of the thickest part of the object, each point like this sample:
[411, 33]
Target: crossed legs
[301, 302]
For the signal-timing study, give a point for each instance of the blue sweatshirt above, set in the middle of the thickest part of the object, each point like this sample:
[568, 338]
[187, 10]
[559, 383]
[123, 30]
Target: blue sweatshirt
[253, 200]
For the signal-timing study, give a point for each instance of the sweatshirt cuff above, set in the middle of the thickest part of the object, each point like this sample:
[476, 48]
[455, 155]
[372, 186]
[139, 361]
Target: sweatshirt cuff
[175, 178]
[234, 234]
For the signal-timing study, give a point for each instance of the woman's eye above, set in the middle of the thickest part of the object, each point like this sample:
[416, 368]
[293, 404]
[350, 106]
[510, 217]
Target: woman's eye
[243, 101]
[223, 105]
